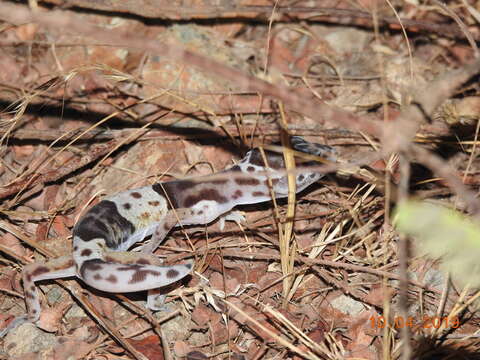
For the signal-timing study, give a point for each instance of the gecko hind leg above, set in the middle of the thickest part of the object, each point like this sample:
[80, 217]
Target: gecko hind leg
[162, 230]
[234, 215]
[58, 268]
[156, 300]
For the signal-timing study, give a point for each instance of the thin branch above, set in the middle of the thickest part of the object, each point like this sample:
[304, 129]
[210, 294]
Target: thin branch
[297, 101]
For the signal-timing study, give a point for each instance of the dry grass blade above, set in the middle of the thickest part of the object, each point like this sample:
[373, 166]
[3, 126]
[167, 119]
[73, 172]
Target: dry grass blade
[112, 330]
[280, 340]
[287, 248]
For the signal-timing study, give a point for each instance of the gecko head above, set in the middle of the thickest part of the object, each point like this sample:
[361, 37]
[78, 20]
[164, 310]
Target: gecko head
[275, 160]
[306, 178]
[324, 151]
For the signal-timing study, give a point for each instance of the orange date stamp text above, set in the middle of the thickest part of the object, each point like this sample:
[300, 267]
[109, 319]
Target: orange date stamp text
[427, 322]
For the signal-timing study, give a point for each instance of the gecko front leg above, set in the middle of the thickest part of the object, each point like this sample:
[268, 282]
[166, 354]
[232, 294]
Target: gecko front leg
[203, 212]
[171, 219]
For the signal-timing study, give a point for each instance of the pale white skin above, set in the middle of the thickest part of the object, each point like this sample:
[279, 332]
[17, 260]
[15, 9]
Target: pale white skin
[102, 238]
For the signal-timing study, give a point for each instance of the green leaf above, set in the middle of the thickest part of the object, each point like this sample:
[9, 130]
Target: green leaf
[443, 233]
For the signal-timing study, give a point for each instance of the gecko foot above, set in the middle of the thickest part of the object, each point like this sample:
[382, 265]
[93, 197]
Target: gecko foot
[14, 324]
[237, 216]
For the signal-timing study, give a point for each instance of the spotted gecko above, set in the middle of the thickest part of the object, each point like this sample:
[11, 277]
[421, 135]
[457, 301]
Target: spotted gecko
[103, 235]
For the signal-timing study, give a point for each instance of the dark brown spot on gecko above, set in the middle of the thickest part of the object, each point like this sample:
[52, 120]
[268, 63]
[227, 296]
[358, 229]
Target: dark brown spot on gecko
[188, 266]
[205, 194]
[112, 279]
[301, 177]
[172, 273]
[183, 184]
[251, 182]
[40, 270]
[274, 182]
[200, 212]
[235, 168]
[169, 190]
[136, 195]
[34, 311]
[145, 215]
[237, 194]
[154, 203]
[274, 160]
[127, 206]
[131, 267]
[97, 277]
[258, 193]
[141, 275]
[91, 265]
[86, 252]
[143, 261]
[75, 248]
[250, 169]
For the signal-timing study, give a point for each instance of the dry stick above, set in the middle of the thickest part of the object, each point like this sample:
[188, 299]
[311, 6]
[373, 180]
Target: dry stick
[403, 245]
[242, 104]
[346, 288]
[58, 173]
[35, 182]
[400, 134]
[280, 340]
[425, 134]
[334, 264]
[331, 15]
[270, 131]
[460, 24]
[441, 168]
[114, 333]
[444, 86]
[295, 101]
[26, 238]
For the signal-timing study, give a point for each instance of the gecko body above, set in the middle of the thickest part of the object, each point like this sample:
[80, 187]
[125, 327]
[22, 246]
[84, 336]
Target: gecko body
[103, 236]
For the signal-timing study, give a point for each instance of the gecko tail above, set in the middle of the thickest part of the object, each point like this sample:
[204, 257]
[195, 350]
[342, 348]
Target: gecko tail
[121, 278]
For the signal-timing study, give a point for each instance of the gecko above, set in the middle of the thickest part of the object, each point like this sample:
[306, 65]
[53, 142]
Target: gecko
[105, 233]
